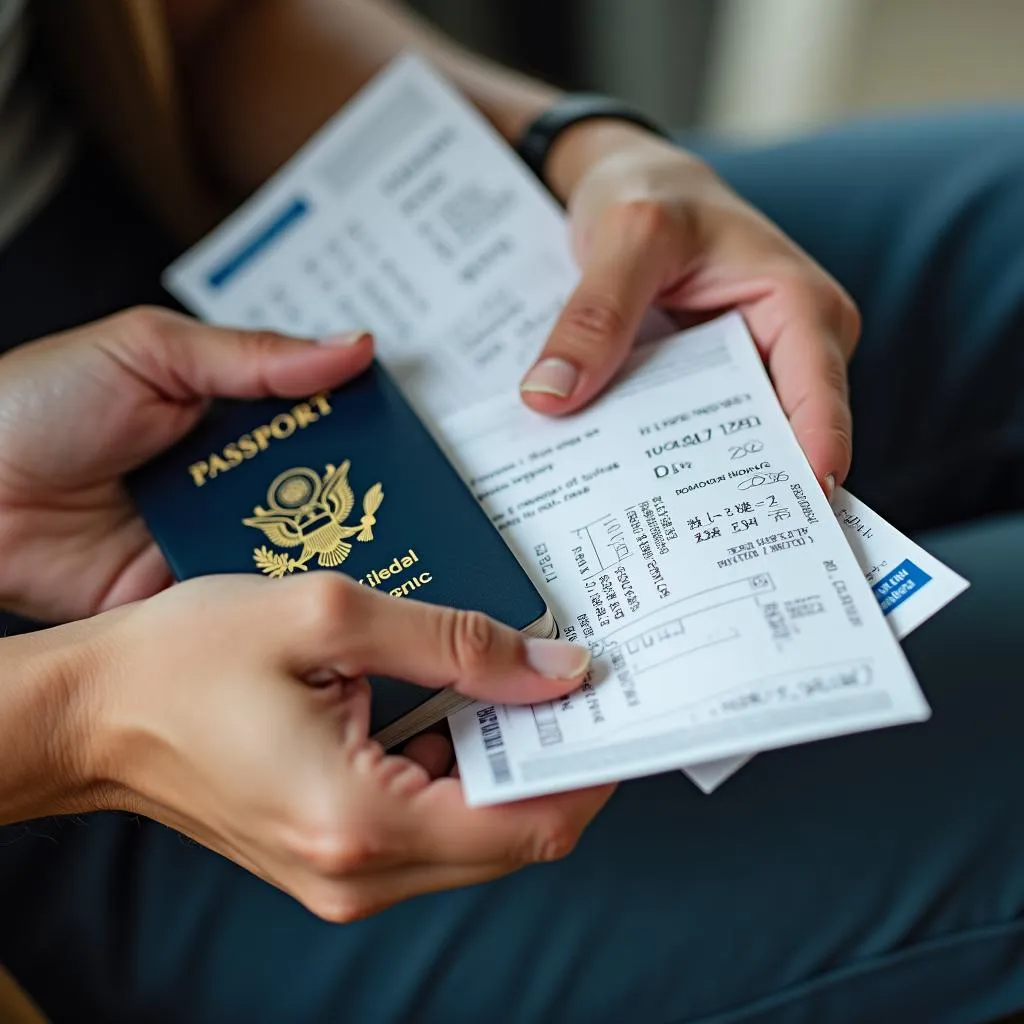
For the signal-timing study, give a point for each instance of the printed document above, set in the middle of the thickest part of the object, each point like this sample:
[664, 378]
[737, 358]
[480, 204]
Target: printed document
[675, 527]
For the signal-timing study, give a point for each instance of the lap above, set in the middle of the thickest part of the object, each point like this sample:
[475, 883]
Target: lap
[877, 877]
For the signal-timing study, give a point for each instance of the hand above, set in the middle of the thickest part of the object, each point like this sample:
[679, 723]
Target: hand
[190, 704]
[81, 409]
[652, 225]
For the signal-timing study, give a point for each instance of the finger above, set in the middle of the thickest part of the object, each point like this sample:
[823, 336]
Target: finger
[437, 826]
[821, 419]
[145, 575]
[402, 818]
[808, 369]
[185, 359]
[407, 819]
[633, 256]
[359, 631]
[431, 823]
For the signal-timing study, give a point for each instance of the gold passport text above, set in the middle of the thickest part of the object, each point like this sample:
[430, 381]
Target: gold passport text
[249, 445]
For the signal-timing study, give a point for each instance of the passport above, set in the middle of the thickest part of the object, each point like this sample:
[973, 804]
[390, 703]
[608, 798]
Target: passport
[347, 481]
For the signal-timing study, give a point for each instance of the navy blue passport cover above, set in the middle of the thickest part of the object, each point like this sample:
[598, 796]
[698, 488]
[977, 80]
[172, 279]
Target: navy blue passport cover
[348, 480]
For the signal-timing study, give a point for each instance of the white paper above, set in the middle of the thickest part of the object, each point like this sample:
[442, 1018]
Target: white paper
[910, 585]
[677, 529]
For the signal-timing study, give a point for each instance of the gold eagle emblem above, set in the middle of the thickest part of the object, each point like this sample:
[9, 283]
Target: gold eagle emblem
[307, 510]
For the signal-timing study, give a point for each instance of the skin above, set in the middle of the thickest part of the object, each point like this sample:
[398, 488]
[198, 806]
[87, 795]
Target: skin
[112, 710]
[134, 704]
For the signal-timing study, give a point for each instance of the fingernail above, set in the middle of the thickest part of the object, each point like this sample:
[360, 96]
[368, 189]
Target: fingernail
[552, 376]
[556, 659]
[345, 338]
[830, 485]
[322, 677]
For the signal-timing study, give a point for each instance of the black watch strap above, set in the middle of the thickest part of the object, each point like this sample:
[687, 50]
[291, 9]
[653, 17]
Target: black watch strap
[539, 136]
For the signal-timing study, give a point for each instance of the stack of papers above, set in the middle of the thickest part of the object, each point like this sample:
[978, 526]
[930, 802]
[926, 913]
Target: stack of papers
[674, 525]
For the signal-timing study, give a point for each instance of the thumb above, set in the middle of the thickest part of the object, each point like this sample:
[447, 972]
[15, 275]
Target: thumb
[186, 359]
[359, 631]
[627, 267]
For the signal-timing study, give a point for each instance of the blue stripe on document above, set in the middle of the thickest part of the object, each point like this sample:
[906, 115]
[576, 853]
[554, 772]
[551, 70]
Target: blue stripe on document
[904, 581]
[250, 249]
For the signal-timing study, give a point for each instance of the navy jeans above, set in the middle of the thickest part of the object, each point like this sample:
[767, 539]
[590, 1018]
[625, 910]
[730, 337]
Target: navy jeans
[876, 878]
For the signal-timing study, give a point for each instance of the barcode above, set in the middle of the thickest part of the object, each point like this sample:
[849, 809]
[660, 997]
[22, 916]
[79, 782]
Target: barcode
[499, 767]
[494, 745]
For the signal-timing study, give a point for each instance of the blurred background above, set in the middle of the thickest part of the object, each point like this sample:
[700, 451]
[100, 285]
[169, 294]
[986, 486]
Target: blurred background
[756, 69]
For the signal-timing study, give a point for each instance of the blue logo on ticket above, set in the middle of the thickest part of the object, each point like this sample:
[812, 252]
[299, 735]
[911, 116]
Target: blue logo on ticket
[903, 582]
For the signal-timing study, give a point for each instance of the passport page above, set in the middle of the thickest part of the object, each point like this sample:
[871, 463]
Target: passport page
[909, 584]
[678, 530]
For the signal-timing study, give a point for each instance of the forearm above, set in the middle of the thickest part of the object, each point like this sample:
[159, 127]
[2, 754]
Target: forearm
[43, 715]
[268, 73]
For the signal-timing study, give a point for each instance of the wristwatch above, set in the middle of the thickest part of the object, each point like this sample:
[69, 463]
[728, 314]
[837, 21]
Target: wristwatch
[539, 136]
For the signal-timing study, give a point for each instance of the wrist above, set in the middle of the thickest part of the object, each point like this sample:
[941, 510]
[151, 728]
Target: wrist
[582, 145]
[48, 711]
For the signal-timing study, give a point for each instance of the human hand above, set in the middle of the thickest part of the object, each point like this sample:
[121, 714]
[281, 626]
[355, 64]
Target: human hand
[653, 225]
[236, 710]
[80, 409]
